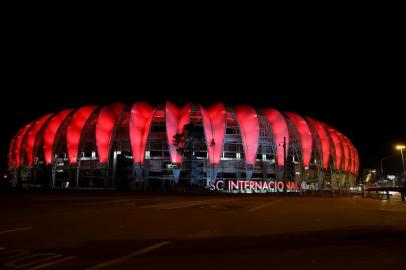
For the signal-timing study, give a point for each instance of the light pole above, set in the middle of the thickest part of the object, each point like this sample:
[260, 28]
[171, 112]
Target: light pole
[284, 164]
[401, 147]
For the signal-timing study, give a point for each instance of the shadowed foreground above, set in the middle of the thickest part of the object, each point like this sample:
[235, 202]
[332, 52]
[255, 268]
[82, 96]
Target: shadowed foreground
[133, 231]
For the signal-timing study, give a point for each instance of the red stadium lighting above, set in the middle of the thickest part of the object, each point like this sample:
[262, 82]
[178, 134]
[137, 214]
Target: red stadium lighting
[239, 142]
[176, 119]
[248, 120]
[140, 123]
[305, 136]
[214, 123]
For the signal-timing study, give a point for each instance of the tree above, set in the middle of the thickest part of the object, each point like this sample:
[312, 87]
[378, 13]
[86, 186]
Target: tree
[189, 142]
[190, 138]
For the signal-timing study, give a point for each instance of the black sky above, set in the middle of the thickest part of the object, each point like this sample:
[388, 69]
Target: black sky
[354, 83]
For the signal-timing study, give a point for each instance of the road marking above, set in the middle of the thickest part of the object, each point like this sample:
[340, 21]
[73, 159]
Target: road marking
[49, 257]
[16, 230]
[51, 263]
[263, 206]
[184, 204]
[176, 205]
[15, 253]
[128, 256]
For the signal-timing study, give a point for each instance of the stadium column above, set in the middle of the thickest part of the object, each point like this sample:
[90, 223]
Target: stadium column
[306, 142]
[140, 123]
[214, 124]
[281, 136]
[175, 119]
[73, 135]
[249, 128]
[107, 121]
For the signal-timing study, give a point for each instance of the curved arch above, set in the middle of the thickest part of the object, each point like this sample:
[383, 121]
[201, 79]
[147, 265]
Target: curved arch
[280, 131]
[337, 146]
[140, 123]
[105, 124]
[175, 119]
[50, 132]
[348, 162]
[214, 124]
[351, 161]
[17, 146]
[305, 136]
[353, 156]
[11, 150]
[323, 136]
[248, 121]
[357, 162]
[74, 131]
[10, 154]
[346, 148]
[356, 169]
[32, 136]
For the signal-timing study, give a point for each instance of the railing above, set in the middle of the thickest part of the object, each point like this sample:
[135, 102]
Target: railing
[385, 190]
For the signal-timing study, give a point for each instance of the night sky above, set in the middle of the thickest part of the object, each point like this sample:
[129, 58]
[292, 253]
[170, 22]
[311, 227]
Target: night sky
[352, 85]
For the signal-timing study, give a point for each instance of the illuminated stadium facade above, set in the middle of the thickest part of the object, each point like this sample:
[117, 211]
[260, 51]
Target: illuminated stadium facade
[139, 146]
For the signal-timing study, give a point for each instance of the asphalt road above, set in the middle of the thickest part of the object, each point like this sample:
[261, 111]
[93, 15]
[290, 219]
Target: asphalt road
[151, 231]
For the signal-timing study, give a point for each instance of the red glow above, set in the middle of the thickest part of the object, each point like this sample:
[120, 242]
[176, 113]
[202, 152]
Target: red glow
[350, 168]
[175, 119]
[353, 157]
[249, 127]
[353, 163]
[74, 131]
[348, 158]
[50, 133]
[305, 136]
[346, 148]
[24, 146]
[32, 136]
[140, 123]
[17, 162]
[214, 123]
[338, 150]
[11, 152]
[325, 143]
[106, 122]
[280, 131]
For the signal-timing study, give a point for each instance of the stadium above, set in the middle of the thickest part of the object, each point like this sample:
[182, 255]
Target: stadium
[139, 146]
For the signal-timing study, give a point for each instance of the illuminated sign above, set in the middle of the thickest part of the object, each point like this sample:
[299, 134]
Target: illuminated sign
[256, 186]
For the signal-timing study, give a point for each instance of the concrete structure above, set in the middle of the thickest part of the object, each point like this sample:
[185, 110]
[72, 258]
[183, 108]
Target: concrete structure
[141, 146]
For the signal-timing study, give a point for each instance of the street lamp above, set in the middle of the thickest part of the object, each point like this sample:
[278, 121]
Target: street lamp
[401, 148]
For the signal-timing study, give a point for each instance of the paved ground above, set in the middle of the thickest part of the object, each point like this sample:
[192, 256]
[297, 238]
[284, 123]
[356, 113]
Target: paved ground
[134, 231]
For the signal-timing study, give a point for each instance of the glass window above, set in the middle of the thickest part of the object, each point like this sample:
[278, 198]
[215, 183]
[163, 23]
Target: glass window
[229, 155]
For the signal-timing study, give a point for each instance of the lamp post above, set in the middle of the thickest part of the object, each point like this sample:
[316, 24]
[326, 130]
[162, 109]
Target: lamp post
[401, 147]
[284, 164]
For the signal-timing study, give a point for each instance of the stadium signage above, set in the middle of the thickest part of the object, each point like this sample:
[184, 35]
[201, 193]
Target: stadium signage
[244, 185]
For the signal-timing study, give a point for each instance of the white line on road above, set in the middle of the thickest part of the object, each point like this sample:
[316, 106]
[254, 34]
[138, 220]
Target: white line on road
[28, 260]
[51, 263]
[16, 230]
[185, 204]
[263, 206]
[176, 205]
[129, 256]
